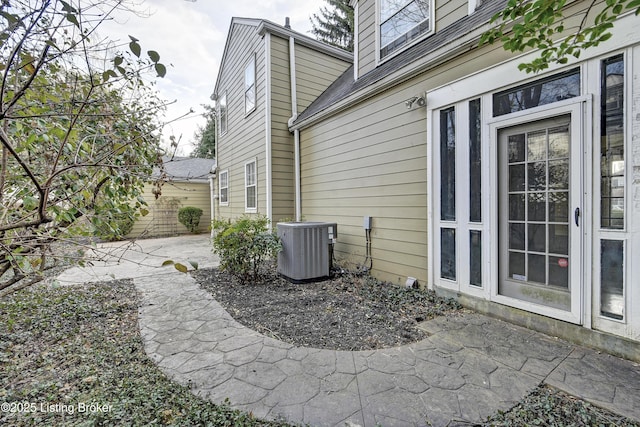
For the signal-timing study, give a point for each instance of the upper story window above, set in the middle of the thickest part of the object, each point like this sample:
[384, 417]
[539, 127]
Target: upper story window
[222, 113]
[250, 86]
[402, 22]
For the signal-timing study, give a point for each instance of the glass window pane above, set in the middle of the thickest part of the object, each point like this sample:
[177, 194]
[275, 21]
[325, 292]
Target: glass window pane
[448, 253]
[537, 145]
[223, 113]
[612, 278]
[536, 268]
[537, 93]
[516, 177]
[612, 143]
[559, 239]
[516, 148]
[475, 162]
[516, 207]
[402, 22]
[559, 174]
[516, 236]
[536, 237]
[447, 165]
[559, 142]
[517, 266]
[251, 197]
[559, 271]
[475, 261]
[537, 207]
[559, 207]
[537, 176]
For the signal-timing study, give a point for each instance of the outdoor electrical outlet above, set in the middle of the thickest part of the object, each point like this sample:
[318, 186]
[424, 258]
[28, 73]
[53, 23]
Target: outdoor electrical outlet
[367, 223]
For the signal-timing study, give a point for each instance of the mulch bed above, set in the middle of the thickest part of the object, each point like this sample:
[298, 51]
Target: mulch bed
[347, 312]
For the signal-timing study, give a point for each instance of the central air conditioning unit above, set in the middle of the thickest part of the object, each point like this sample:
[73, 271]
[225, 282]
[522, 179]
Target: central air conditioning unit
[306, 250]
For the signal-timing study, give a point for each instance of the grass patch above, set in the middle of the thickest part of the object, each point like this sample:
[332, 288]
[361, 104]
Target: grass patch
[73, 356]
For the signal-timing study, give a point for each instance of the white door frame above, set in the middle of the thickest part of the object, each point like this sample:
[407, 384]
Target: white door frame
[579, 109]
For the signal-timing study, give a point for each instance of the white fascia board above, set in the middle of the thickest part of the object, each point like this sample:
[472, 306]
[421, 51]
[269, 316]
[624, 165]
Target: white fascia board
[266, 26]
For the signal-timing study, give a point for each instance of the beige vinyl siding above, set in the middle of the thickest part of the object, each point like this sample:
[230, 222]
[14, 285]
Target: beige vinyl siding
[162, 219]
[281, 139]
[367, 36]
[372, 160]
[245, 138]
[448, 12]
[315, 71]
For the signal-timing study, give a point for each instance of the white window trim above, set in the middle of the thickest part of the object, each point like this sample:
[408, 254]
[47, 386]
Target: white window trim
[248, 209]
[251, 61]
[220, 202]
[226, 116]
[431, 31]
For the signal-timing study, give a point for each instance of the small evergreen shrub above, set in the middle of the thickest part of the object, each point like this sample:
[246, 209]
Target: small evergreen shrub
[190, 217]
[245, 246]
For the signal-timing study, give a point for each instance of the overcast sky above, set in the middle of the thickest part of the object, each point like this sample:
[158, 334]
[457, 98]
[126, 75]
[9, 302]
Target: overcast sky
[190, 38]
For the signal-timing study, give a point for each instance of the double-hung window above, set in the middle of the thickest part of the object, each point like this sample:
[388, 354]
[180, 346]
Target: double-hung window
[224, 188]
[402, 22]
[250, 186]
[250, 86]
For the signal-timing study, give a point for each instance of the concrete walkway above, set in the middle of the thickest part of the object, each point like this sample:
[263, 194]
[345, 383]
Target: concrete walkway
[467, 369]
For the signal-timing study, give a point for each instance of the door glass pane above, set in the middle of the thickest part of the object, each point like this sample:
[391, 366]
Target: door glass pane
[559, 142]
[537, 176]
[559, 271]
[516, 207]
[537, 207]
[447, 165]
[559, 239]
[536, 267]
[559, 206]
[612, 166]
[516, 266]
[475, 261]
[559, 174]
[516, 148]
[516, 177]
[537, 237]
[475, 163]
[516, 236]
[612, 279]
[448, 253]
[537, 145]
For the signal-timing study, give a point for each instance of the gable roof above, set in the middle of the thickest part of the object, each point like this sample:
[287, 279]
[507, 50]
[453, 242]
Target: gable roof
[345, 86]
[183, 169]
[263, 26]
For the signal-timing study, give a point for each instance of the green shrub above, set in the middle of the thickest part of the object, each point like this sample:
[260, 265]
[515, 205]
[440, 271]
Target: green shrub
[245, 246]
[190, 217]
[113, 226]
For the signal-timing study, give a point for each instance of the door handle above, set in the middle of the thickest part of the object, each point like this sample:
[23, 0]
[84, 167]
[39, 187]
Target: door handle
[576, 216]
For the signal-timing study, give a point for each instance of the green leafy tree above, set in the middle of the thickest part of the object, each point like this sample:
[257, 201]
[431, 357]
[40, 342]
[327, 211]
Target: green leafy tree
[334, 24]
[205, 136]
[540, 24]
[77, 132]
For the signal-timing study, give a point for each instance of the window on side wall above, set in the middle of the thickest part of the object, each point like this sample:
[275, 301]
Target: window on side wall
[250, 86]
[222, 113]
[223, 197]
[250, 187]
[401, 23]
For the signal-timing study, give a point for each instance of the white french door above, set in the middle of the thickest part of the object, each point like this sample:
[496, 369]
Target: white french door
[539, 213]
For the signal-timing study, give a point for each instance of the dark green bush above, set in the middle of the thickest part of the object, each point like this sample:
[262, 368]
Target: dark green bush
[245, 245]
[114, 226]
[189, 216]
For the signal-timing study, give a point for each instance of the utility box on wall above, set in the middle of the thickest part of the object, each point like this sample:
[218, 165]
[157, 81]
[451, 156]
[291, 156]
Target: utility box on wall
[305, 254]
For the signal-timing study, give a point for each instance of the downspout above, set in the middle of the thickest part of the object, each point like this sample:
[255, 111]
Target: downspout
[213, 197]
[267, 101]
[296, 133]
